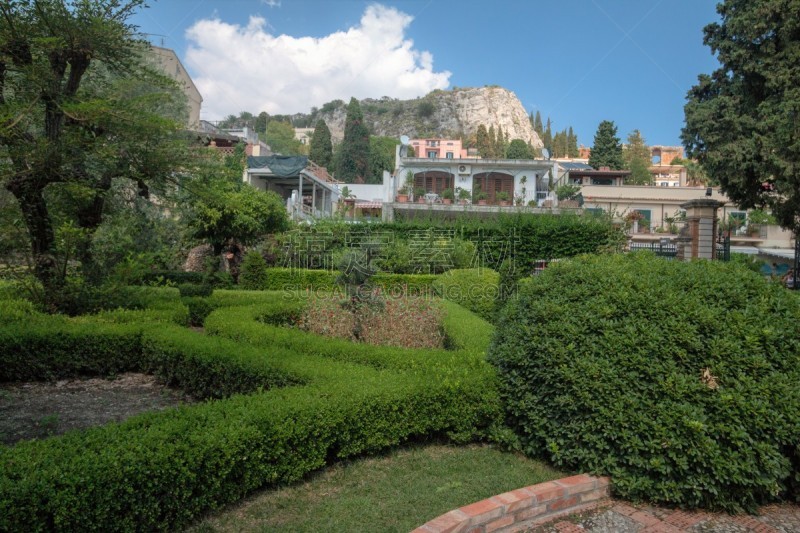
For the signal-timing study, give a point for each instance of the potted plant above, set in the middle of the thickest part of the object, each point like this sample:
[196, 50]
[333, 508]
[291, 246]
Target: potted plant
[463, 195]
[503, 197]
[419, 195]
[448, 195]
[402, 194]
[481, 198]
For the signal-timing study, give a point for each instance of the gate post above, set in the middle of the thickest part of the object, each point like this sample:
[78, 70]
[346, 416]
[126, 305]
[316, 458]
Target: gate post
[699, 235]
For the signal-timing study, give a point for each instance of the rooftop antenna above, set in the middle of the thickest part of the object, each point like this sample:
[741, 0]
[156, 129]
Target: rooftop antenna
[157, 35]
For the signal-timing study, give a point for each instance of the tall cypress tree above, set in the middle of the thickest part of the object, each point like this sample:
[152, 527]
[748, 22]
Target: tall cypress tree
[607, 148]
[354, 159]
[500, 143]
[537, 125]
[547, 138]
[321, 150]
[492, 142]
[572, 144]
[482, 142]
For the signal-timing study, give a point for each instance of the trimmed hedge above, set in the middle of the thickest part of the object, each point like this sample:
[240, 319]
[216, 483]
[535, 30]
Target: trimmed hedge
[679, 380]
[414, 284]
[524, 237]
[474, 288]
[300, 280]
[290, 403]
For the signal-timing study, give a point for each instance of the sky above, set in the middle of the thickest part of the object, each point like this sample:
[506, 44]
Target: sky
[578, 62]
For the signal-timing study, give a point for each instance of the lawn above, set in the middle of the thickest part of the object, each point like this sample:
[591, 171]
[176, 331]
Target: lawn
[395, 492]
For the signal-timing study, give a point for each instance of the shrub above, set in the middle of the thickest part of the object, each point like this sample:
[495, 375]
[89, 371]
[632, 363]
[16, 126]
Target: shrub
[253, 274]
[474, 288]
[405, 284]
[680, 380]
[299, 279]
[174, 277]
[288, 403]
[189, 290]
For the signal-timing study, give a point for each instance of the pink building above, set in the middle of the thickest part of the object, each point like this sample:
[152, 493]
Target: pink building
[438, 148]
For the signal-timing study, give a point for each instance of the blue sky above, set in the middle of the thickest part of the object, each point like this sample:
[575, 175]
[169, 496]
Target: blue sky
[577, 61]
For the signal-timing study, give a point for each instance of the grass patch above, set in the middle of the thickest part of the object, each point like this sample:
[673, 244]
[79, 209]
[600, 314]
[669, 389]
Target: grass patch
[395, 492]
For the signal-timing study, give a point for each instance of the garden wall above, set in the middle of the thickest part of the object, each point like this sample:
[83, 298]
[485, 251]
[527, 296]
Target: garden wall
[521, 509]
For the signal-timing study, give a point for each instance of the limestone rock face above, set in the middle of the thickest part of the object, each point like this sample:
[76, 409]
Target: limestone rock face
[440, 114]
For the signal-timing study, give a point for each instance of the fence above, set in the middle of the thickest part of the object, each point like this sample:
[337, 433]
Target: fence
[661, 249]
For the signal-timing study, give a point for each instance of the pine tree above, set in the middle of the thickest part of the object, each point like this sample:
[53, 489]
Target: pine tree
[354, 159]
[482, 142]
[492, 143]
[607, 148]
[637, 159]
[321, 149]
[742, 119]
[537, 125]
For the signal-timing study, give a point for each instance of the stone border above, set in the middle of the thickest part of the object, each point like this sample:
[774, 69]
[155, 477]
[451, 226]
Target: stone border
[522, 508]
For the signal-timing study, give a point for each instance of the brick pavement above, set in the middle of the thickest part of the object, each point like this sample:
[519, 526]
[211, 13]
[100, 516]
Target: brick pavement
[618, 516]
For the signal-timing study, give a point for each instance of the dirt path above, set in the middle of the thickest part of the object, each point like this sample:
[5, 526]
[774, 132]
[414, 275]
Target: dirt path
[35, 410]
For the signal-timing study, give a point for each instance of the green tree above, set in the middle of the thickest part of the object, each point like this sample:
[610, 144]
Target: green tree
[260, 124]
[742, 120]
[547, 138]
[79, 109]
[537, 125]
[607, 148]
[354, 149]
[280, 138]
[492, 136]
[219, 209]
[519, 149]
[381, 157]
[560, 144]
[637, 159]
[572, 144]
[695, 174]
[321, 149]
[483, 142]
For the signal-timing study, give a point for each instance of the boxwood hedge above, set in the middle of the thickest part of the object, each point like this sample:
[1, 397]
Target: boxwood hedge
[474, 288]
[680, 380]
[287, 403]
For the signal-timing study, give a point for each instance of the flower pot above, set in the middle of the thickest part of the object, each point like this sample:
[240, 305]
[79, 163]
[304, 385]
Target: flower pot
[447, 201]
[402, 198]
[483, 202]
[505, 203]
[421, 200]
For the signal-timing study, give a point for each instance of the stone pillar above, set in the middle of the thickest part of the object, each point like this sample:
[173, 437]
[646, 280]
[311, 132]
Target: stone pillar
[699, 235]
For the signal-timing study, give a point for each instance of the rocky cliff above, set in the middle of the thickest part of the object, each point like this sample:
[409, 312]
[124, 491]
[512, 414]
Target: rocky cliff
[438, 114]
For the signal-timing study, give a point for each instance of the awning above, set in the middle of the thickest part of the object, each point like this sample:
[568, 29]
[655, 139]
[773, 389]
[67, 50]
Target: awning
[369, 205]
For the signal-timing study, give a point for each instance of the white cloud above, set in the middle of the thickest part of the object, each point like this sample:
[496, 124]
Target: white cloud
[272, 3]
[246, 68]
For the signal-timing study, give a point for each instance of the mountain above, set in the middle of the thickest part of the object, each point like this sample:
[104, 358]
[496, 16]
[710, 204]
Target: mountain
[454, 113]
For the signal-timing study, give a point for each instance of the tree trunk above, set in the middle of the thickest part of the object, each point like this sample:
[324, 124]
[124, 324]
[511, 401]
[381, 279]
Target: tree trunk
[89, 219]
[40, 230]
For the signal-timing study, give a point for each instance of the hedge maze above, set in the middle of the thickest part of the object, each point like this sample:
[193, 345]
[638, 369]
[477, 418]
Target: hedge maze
[280, 403]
